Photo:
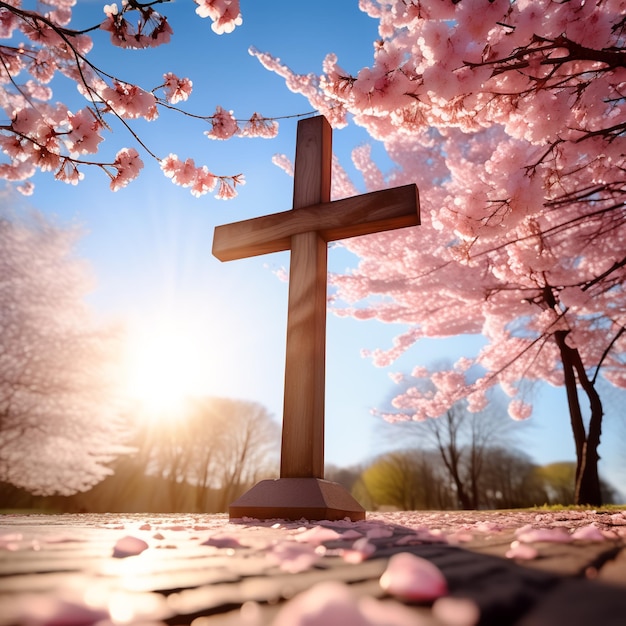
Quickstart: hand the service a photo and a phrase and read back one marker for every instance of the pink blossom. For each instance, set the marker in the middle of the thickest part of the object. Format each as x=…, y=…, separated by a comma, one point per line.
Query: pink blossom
x=128, y=164
x=226, y=190
x=68, y=173
x=258, y=126
x=225, y=14
x=186, y=174
x=204, y=182
x=224, y=125
x=130, y=101
x=26, y=189
x=519, y=410
x=150, y=30
x=285, y=164
x=43, y=66
x=8, y=23
x=84, y=135
x=176, y=89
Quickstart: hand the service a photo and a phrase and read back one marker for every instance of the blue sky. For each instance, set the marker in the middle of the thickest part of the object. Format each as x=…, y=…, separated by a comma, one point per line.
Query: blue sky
x=150, y=244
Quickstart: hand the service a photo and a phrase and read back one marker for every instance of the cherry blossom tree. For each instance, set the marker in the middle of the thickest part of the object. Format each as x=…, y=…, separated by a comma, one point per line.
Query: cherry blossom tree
x=60, y=422
x=511, y=118
x=44, y=135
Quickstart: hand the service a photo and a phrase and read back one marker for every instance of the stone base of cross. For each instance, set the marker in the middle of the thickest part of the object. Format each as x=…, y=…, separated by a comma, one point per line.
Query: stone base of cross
x=305, y=230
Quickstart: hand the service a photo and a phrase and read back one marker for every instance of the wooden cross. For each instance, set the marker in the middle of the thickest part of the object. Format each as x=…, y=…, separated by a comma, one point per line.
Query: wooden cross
x=305, y=231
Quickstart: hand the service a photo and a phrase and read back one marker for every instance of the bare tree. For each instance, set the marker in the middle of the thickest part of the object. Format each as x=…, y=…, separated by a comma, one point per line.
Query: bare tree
x=60, y=422
x=217, y=444
x=462, y=440
x=509, y=480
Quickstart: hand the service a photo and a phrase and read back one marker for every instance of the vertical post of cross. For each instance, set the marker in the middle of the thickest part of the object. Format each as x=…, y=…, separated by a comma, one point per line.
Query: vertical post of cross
x=302, y=452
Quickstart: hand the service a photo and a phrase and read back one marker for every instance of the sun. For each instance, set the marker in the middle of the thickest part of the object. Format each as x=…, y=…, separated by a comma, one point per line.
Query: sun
x=165, y=367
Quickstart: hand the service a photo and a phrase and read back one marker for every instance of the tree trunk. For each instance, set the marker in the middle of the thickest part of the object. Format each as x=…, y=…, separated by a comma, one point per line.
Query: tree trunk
x=587, y=488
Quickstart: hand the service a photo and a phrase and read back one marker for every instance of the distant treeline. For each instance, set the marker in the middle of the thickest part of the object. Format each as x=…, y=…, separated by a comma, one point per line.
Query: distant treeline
x=128, y=490
x=405, y=480
x=418, y=479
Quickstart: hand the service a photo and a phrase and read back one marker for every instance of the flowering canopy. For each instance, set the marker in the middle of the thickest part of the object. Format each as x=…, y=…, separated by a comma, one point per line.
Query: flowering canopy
x=43, y=135
x=60, y=420
x=511, y=118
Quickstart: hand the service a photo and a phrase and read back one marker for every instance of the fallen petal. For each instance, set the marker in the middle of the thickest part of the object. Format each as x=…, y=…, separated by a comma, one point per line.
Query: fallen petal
x=456, y=611
x=317, y=535
x=551, y=535
x=326, y=604
x=355, y=534
x=360, y=551
x=379, y=532
x=410, y=577
x=521, y=551
x=588, y=533
x=129, y=546
x=293, y=557
x=222, y=542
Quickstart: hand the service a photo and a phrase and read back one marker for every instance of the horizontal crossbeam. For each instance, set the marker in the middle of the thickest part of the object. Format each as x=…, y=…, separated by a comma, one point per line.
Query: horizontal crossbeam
x=350, y=217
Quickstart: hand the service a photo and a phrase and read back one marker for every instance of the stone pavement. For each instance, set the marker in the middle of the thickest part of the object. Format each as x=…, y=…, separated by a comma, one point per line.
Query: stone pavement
x=563, y=568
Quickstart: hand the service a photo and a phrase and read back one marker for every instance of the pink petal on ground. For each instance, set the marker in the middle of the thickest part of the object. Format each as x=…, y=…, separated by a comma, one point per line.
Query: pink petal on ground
x=325, y=604
x=61, y=539
x=332, y=603
x=379, y=532
x=355, y=534
x=380, y=613
x=361, y=550
x=222, y=542
x=412, y=578
x=618, y=519
x=129, y=546
x=588, y=533
x=10, y=541
x=521, y=551
x=293, y=557
x=487, y=527
x=551, y=535
x=317, y=535
x=49, y=610
x=456, y=611
x=460, y=537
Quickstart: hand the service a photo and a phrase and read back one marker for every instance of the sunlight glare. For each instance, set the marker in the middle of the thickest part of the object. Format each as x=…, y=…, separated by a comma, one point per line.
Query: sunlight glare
x=166, y=366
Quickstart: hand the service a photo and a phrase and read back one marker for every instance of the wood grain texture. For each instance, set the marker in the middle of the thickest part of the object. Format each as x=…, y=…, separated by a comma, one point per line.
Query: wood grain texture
x=369, y=213
x=306, y=230
x=302, y=450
